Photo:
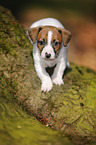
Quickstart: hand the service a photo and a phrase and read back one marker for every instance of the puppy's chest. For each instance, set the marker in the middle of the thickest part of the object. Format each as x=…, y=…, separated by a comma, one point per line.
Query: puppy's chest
x=51, y=63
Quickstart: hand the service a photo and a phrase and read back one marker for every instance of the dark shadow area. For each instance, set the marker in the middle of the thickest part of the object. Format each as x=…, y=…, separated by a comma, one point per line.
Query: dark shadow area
x=67, y=70
x=50, y=70
x=84, y=7
x=90, y=71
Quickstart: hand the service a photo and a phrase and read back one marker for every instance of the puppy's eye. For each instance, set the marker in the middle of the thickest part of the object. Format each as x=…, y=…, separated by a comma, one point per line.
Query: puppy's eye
x=55, y=43
x=41, y=42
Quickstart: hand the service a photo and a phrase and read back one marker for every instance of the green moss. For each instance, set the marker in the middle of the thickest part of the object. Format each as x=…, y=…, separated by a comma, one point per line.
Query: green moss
x=12, y=34
x=16, y=127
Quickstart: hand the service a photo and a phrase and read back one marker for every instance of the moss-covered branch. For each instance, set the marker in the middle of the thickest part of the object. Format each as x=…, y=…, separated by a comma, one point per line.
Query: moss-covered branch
x=69, y=108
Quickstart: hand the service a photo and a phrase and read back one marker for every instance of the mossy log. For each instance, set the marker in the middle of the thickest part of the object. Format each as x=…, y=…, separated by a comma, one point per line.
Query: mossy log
x=70, y=108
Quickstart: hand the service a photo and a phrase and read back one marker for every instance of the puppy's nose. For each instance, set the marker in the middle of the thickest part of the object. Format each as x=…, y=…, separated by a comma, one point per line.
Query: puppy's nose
x=48, y=55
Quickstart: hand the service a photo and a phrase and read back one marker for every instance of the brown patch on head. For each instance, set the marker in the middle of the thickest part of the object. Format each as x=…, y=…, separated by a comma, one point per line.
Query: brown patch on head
x=43, y=35
x=56, y=40
x=33, y=32
x=66, y=36
x=42, y=38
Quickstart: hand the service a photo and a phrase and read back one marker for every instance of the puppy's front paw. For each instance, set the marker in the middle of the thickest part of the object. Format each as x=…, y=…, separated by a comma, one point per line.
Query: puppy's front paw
x=58, y=81
x=46, y=85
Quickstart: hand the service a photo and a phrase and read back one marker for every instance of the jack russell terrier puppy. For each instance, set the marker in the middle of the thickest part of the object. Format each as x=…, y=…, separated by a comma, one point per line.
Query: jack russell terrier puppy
x=50, y=42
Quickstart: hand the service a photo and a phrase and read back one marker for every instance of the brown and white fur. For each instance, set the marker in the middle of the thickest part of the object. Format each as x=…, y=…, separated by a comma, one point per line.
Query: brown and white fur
x=50, y=42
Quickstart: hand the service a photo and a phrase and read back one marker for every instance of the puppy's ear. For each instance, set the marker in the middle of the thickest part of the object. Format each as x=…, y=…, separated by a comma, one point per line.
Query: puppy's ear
x=33, y=32
x=66, y=36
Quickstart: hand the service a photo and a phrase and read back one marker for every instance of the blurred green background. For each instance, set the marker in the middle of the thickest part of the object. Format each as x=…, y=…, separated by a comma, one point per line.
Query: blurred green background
x=78, y=16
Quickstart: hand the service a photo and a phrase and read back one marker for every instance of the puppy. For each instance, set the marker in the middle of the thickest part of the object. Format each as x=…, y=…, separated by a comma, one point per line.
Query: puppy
x=50, y=42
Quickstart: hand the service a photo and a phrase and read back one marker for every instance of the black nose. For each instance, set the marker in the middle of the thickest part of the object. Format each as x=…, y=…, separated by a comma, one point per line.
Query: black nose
x=48, y=55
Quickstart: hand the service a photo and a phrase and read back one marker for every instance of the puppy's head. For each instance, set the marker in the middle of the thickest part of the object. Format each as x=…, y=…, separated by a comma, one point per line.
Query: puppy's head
x=49, y=40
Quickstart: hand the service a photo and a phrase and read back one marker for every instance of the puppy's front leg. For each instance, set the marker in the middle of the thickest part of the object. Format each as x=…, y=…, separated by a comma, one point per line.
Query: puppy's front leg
x=44, y=77
x=58, y=73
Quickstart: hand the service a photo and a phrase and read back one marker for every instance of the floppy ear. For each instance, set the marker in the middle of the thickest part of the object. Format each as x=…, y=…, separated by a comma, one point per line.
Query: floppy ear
x=66, y=36
x=33, y=32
